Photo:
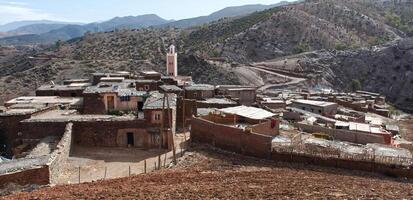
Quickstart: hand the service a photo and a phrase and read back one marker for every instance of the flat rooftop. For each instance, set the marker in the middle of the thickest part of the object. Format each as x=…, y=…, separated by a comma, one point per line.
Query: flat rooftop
x=224, y=101
x=150, y=73
x=73, y=116
x=196, y=87
x=72, y=86
x=45, y=100
x=314, y=103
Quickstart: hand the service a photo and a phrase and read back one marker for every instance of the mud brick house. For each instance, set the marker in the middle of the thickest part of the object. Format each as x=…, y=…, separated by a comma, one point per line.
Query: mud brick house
x=94, y=130
x=190, y=107
x=318, y=107
x=242, y=129
x=172, y=89
x=75, y=81
x=46, y=101
x=107, y=97
x=199, y=91
x=96, y=77
x=147, y=85
x=10, y=123
x=70, y=90
x=245, y=95
x=151, y=75
x=156, y=110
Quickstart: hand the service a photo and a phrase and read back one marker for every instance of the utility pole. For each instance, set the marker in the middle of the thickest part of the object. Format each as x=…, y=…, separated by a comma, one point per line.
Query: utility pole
x=170, y=136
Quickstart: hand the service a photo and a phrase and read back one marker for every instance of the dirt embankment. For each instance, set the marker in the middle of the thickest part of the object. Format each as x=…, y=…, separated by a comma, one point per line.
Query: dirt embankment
x=205, y=174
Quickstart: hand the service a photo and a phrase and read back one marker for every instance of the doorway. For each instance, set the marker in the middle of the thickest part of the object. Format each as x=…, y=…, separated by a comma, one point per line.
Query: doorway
x=140, y=106
x=131, y=140
x=111, y=103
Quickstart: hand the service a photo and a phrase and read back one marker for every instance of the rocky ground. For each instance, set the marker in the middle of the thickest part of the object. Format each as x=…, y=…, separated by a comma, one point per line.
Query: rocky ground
x=206, y=174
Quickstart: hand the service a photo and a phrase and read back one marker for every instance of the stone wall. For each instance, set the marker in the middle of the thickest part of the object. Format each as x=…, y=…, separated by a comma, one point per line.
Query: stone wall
x=59, y=157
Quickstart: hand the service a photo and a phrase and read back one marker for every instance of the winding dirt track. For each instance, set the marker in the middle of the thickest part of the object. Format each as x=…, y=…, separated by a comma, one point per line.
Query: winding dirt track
x=205, y=174
x=292, y=80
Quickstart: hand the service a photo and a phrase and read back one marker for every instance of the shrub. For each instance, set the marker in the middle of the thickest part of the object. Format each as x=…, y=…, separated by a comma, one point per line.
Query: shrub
x=355, y=85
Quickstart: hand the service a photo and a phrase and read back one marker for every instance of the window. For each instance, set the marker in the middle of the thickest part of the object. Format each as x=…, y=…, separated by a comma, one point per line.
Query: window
x=125, y=98
x=146, y=87
x=157, y=117
x=319, y=111
x=303, y=108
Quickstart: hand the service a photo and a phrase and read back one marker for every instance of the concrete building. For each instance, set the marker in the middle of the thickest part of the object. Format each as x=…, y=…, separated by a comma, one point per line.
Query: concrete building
x=172, y=62
x=318, y=107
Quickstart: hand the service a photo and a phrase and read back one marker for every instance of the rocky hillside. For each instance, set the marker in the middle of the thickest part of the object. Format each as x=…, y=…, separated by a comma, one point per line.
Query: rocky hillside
x=301, y=27
x=387, y=70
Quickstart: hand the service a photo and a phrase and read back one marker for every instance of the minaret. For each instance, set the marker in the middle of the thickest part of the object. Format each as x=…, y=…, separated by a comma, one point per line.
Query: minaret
x=172, y=62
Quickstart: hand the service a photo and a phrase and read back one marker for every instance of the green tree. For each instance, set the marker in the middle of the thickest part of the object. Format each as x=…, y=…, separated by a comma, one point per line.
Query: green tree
x=355, y=85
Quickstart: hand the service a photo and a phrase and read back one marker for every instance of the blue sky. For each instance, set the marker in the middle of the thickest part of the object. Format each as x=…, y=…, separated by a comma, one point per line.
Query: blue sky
x=99, y=10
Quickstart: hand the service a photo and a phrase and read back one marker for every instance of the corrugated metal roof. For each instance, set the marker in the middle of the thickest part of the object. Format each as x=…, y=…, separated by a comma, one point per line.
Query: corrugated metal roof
x=248, y=112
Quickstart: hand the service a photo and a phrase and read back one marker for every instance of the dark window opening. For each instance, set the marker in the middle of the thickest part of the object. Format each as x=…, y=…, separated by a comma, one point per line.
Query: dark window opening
x=131, y=141
x=73, y=94
x=140, y=106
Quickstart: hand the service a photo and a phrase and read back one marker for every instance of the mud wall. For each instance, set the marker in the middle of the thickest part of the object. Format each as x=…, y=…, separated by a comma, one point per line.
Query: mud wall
x=230, y=138
x=236, y=140
x=344, y=135
x=38, y=176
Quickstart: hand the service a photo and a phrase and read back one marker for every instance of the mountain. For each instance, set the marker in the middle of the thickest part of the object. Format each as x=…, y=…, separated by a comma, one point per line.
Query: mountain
x=15, y=25
x=35, y=29
x=226, y=12
x=39, y=34
x=68, y=32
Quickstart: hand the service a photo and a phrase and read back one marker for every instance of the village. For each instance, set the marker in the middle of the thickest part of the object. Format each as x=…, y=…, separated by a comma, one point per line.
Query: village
x=71, y=132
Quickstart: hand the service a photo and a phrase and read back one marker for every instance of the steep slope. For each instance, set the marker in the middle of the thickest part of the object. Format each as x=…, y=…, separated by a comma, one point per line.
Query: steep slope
x=387, y=70
x=292, y=29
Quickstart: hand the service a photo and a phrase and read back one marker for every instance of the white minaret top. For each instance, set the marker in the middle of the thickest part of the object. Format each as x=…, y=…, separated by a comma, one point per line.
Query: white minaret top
x=172, y=62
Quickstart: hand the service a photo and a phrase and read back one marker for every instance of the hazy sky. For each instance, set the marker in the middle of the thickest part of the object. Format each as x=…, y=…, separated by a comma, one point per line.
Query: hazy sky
x=99, y=10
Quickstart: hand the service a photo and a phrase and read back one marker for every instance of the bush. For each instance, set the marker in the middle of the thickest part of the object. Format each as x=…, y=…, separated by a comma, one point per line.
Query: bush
x=341, y=47
x=301, y=48
x=355, y=85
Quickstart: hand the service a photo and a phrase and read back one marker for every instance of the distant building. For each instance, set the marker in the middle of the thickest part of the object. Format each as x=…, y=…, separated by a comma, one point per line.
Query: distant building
x=245, y=95
x=319, y=107
x=199, y=91
x=172, y=62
